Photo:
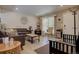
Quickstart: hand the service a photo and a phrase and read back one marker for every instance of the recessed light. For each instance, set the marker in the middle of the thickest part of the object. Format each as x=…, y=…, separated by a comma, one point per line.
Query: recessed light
x=16, y=8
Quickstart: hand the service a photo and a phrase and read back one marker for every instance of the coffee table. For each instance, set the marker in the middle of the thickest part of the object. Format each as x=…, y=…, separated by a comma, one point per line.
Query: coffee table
x=32, y=36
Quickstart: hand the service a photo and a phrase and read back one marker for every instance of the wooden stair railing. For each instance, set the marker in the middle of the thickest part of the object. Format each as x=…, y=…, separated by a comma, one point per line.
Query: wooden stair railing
x=60, y=47
x=70, y=38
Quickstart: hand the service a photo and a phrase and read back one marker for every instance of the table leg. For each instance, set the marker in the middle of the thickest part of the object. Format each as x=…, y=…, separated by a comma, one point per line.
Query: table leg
x=32, y=40
x=38, y=38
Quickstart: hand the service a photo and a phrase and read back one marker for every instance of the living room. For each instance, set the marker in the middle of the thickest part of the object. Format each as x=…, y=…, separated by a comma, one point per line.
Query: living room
x=32, y=28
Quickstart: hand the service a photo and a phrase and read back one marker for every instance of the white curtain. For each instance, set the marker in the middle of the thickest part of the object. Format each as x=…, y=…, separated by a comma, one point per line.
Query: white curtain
x=47, y=22
x=44, y=24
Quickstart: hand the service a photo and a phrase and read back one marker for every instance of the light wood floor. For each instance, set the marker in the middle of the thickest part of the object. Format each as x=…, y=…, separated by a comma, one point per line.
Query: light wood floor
x=30, y=48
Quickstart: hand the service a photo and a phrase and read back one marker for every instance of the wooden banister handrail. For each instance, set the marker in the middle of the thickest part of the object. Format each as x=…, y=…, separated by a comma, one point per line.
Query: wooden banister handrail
x=61, y=47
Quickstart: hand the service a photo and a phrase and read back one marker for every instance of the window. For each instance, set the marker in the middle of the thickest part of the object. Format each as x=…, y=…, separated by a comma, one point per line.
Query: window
x=47, y=22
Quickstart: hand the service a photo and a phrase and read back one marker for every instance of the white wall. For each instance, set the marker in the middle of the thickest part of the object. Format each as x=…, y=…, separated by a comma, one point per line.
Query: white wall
x=77, y=22
x=13, y=20
x=58, y=23
x=68, y=21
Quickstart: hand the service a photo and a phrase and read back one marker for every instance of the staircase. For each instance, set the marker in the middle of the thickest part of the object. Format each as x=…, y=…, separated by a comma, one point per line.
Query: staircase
x=66, y=46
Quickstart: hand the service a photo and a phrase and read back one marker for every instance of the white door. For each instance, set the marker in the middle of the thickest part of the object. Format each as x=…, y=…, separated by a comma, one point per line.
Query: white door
x=68, y=23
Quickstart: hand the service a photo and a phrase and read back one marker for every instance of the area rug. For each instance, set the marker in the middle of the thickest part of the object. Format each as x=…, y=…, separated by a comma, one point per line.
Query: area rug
x=43, y=50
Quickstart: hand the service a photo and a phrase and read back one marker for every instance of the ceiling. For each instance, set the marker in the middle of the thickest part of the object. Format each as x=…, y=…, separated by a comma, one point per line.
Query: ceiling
x=35, y=10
